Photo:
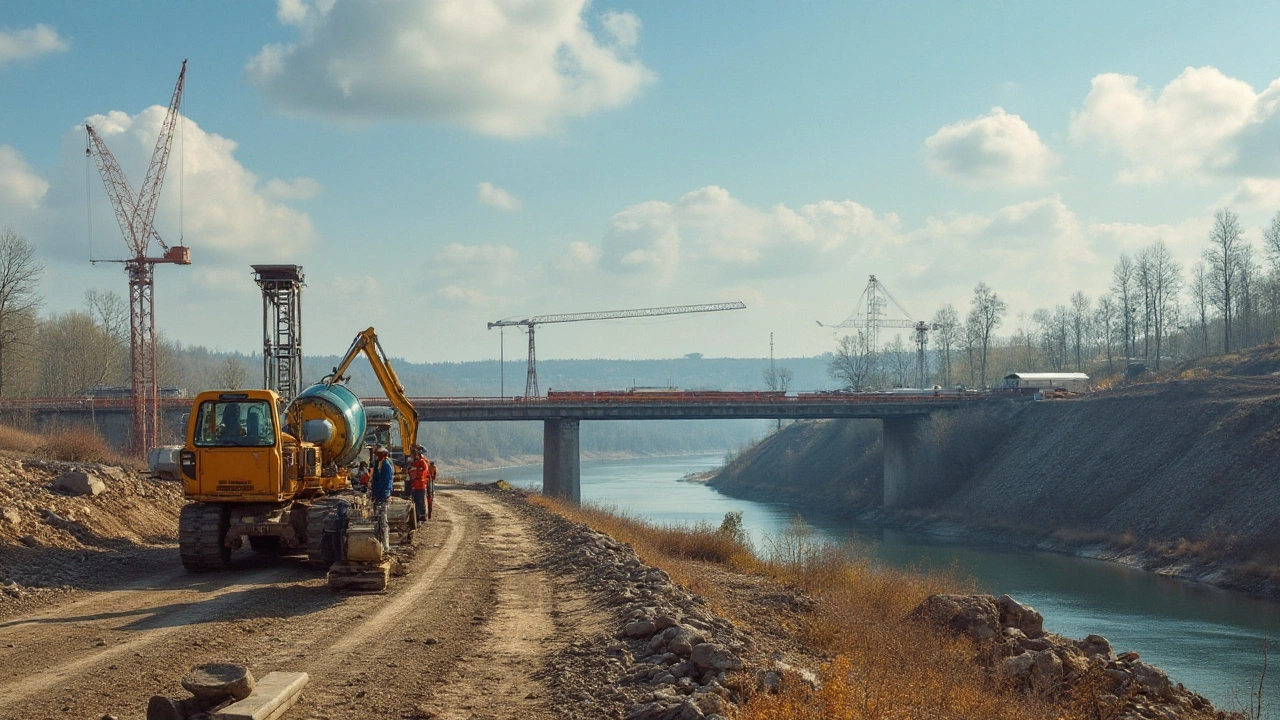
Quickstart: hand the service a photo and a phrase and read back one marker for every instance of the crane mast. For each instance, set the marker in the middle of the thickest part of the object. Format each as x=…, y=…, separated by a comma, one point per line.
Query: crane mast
x=135, y=213
x=529, y=323
x=872, y=313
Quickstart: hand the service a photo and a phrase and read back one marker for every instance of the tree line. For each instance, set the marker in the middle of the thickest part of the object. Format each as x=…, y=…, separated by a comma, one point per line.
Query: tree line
x=70, y=353
x=1154, y=313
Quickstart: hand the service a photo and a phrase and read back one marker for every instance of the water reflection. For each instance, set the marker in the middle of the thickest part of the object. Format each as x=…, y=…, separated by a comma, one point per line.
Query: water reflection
x=1208, y=639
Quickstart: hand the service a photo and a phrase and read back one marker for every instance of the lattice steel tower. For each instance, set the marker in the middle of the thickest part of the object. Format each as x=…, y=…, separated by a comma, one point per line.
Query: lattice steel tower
x=281, y=327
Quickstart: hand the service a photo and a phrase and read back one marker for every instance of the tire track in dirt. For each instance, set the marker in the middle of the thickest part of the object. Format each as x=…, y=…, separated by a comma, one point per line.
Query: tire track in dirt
x=170, y=611
x=516, y=635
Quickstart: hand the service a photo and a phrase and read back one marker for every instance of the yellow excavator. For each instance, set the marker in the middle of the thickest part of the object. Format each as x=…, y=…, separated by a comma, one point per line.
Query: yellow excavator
x=281, y=476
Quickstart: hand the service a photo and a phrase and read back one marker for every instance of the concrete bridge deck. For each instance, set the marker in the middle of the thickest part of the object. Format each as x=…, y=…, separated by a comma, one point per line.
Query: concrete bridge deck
x=562, y=413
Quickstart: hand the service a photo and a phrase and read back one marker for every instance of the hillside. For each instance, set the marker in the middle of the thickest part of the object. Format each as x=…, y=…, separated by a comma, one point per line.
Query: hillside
x=1177, y=476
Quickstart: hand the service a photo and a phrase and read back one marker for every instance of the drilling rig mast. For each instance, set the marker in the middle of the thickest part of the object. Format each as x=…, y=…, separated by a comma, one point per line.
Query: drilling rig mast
x=135, y=213
x=281, y=328
x=529, y=323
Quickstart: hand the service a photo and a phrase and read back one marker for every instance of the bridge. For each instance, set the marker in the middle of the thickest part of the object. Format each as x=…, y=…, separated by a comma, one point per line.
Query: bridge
x=562, y=413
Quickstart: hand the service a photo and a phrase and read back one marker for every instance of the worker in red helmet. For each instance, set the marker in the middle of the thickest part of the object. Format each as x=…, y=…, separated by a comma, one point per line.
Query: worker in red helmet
x=419, y=467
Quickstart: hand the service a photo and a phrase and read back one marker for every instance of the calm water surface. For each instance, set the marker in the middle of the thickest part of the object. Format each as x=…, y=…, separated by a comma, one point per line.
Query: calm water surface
x=1208, y=639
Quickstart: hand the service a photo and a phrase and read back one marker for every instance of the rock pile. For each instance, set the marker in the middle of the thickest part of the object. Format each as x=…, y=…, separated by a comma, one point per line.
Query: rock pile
x=670, y=656
x=1015, y=645
x=55, y=515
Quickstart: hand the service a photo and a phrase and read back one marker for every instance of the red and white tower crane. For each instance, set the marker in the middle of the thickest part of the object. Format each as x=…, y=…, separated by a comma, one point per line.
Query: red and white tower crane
x=136, y=215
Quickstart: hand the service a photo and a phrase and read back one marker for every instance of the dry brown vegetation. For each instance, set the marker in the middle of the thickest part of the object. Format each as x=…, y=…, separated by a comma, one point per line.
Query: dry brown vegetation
x=11, y=438
x=68, y=444
x=882, y=664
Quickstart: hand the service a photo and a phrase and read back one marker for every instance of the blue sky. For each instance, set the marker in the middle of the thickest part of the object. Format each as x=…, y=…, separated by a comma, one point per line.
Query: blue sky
x=437, y=165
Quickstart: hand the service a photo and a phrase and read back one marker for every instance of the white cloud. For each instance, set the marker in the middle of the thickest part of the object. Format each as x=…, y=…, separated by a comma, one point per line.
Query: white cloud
x=1255, y=192
x=579, y=257
x=459, y=295
x=709, y=228
x=29, y=43
x=303, y=188
x=493, y=196
x=992, y=150
x=226, y=213
x=495, y=67
x=1202, y=124
x=300, y=12
x=21, y=188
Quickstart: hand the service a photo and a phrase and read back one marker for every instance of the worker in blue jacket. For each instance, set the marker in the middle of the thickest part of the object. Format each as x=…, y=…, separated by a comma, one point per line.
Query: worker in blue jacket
x=380, y=491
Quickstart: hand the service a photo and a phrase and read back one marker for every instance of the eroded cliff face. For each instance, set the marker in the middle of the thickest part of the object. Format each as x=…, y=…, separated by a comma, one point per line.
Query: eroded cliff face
x=1182, y=476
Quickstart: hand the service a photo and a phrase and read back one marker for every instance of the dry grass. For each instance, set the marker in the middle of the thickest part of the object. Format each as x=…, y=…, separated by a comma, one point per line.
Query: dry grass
x=77, y=444
x=11, y=438
x=885, y=666
x=676, y=549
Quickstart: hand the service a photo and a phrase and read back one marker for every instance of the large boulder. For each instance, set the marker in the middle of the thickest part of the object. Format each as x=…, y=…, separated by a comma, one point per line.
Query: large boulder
x=714, y=656
x=974, y=615
x=1024, y=617
x=79, y=482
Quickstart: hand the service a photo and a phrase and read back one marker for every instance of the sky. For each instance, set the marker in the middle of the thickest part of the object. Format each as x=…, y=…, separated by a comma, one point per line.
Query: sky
x=435, y=165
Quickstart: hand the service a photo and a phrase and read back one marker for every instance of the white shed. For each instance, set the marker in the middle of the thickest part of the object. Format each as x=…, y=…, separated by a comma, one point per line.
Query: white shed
x=1072, y=382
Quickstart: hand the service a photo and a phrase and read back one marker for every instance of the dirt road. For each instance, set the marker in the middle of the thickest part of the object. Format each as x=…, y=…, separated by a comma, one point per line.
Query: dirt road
x=463, y=635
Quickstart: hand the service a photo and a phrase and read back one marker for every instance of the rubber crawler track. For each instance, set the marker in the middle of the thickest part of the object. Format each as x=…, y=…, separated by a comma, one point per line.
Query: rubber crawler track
x=202, y=527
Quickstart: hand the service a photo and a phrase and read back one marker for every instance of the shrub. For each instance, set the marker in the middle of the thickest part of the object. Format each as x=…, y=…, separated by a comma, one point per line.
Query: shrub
x=80, y=445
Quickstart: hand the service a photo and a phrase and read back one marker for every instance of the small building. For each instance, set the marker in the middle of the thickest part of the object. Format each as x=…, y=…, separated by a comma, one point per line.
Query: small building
x=1071, y=382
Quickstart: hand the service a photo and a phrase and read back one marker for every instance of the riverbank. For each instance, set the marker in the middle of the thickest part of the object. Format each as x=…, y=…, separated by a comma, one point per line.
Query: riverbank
x=844, y=635
x=1174, y=477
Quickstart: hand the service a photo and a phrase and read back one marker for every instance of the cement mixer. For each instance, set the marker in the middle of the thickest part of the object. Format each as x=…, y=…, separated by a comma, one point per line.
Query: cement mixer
x=280, y=477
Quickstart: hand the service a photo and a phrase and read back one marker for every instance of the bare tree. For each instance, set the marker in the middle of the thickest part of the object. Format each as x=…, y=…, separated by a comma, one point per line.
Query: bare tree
x=970, y=344
x=1043, y=320
x=69, y=346
x=1166, y=286
x=1201, y=292
x=1223, y=256
x=852, y=361
x=1271, y=287
x=1024, y=340
x=1247, y=297
x=986, y=312
x=1271, y=242
x=230, y=374
x=108, y=309
x=1080, y=321
x=1104, y=319
x=900, y=362
x=20, y=275
x=1123, y=285
x=947, y=336
x=778, y=377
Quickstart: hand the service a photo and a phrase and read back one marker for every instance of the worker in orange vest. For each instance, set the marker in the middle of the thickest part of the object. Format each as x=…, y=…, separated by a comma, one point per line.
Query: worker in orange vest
x=431, y=486
x=419, y=470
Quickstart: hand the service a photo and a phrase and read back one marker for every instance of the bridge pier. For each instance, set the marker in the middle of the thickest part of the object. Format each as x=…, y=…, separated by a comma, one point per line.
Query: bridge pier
x=903, y=486
x=561, y=467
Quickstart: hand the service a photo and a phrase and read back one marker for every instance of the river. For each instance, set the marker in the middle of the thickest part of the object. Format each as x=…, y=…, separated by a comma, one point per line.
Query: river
x=1206, y=638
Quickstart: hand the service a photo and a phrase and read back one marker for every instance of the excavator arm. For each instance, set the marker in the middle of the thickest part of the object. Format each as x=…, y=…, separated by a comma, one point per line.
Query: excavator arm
x=367, y=342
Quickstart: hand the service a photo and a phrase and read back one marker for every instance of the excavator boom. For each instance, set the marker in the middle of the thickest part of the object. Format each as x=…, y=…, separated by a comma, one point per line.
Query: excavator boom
x=367, y=342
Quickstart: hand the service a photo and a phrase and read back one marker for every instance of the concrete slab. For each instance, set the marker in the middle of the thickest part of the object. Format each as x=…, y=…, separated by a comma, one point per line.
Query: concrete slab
x=274, y=694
